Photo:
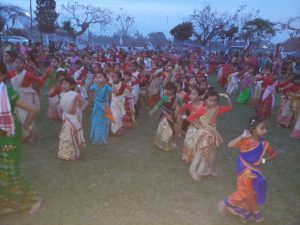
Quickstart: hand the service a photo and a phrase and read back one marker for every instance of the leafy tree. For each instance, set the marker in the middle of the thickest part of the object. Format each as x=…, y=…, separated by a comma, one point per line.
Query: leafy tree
x=71, y=31
x=46, y=15
x=230, y=33
x=182, y=31
x=157, y=38
x=258, y=29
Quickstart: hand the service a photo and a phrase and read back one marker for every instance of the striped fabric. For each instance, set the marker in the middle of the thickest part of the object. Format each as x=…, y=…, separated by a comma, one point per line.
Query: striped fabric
x=7, y=123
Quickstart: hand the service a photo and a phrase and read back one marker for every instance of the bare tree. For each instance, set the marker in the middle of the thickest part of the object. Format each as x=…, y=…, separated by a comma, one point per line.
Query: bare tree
x=292, y=25
x=81, y=17
x=241, y=16
x=208, y=24
x=12, y=14
x=125, y=23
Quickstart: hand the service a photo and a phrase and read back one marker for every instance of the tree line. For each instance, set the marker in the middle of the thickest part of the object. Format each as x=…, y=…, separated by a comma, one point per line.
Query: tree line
x=205, y=25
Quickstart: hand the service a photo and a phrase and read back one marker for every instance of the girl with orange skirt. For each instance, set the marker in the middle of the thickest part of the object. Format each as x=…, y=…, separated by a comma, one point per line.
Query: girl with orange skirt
x=251, y=185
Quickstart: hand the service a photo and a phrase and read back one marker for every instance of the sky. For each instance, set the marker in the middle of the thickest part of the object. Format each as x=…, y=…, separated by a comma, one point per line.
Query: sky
x=163, y=15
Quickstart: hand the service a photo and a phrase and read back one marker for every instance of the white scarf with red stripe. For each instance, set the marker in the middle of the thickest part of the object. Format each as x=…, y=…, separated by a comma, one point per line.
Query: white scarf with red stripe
x=7, y=123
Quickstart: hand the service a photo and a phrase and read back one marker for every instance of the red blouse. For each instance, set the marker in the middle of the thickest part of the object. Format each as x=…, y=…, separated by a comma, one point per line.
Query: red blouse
x=201, y=111
x=28, y=79
x=57, y=90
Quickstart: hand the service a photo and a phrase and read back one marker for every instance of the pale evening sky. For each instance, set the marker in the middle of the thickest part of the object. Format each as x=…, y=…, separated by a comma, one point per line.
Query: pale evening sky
x=163, y=15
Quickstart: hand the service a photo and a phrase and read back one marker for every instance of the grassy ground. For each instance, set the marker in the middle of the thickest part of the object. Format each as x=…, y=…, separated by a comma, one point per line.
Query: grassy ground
x=131, y=182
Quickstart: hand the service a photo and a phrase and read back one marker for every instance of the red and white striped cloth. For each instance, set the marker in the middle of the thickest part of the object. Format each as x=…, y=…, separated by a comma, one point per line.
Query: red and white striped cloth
x=7, y=123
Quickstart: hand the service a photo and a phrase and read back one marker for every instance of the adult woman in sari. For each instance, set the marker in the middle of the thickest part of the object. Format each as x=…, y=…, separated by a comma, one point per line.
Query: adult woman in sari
x=22, y=81
x=15, y=189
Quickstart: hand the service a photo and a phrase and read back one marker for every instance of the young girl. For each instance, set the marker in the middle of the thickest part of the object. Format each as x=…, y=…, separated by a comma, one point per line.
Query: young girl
x=246, y=89
x=251, y=185
x=288, y=102
x=91, y=75
x=182, y=95
x=79, y=75
x=100, y=120
x=129, y=118
x=16, y=193
x=166, y=134
x=54, y=110
x=117, y=105
x=23, y=81
x=296, y=132
x=71, y=139
x=233, y=83
x=50, y=75
x=208, y=138
x=190, y=140
x=258, y=80
x=267, y=100
x=191, y=84
x=154, y=86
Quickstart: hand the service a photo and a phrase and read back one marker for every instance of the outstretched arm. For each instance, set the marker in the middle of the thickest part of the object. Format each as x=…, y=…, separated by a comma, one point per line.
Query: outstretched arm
x=158, y=106
x=233, y=143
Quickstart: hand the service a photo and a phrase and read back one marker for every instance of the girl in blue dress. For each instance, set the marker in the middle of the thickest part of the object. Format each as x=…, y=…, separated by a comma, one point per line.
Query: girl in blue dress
x=100, y=117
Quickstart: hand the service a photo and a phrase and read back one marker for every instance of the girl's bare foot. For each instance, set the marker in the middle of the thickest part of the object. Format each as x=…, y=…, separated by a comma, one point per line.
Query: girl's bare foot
x=174, y=146
x=195, y=177
x=36, y=206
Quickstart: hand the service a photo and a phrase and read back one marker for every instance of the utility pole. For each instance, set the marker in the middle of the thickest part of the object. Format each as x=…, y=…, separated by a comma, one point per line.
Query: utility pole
x=1, y=47
x=31, y=19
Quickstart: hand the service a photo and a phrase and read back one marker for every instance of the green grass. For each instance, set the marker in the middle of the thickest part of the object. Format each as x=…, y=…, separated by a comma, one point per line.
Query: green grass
x=131, y=182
